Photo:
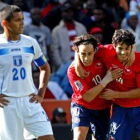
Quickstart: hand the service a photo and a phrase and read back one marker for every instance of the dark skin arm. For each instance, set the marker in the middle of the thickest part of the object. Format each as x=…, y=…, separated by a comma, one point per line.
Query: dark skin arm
x=43, y=81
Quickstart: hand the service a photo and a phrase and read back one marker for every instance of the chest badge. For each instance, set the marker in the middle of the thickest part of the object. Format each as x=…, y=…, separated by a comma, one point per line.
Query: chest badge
x=17, y=60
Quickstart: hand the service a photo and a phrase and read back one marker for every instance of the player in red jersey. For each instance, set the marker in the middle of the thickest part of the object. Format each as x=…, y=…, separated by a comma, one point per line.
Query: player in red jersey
x=124, y=91
x=87, y=109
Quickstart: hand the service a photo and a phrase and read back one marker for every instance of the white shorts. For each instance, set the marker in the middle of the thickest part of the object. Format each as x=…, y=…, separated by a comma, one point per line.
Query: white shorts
x=23, y=120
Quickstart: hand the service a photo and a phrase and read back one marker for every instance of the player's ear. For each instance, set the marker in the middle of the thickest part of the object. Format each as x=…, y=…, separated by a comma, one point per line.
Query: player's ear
x=4, y=23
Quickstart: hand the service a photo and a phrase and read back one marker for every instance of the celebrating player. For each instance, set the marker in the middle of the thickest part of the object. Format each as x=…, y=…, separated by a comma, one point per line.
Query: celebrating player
x=124, y=91
x=87, y=109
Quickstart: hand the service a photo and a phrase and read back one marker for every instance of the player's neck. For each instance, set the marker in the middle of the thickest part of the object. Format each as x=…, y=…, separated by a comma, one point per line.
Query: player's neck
x=11, y=37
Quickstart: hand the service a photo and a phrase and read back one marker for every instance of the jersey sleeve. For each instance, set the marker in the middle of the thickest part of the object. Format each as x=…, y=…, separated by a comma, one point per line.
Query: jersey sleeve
x=39, y=58
x=79, y=85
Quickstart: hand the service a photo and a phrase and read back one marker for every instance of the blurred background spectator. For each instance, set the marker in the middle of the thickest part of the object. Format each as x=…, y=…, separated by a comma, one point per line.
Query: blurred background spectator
x=62, y=36
x=131, y=22
x=59, y=116
x=39, y=31
x=98, y=34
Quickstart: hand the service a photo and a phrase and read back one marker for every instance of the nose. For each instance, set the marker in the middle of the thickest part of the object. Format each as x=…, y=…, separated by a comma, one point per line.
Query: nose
x=123, y=52
x=22, y=22
x=86, y=58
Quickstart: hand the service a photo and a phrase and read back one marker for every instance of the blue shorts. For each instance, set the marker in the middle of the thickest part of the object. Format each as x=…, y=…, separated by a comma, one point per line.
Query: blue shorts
x=96, y=120
x=123, y=122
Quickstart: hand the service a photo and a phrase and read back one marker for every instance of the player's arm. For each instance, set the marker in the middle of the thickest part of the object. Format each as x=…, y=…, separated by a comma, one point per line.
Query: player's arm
x=89, y=94
x=43, y=81
x=93, y=92
x=111, y=94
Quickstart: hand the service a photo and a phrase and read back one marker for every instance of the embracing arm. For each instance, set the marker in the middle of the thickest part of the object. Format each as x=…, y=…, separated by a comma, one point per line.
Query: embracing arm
x=135, y=93
x=111, y=94
x=93, y=92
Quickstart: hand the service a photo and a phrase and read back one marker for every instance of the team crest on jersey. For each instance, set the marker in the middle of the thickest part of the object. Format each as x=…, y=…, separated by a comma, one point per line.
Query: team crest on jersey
x=98, y=65
x=17, y=60
x=79, y=85
x=127, y=71
x=114, y=66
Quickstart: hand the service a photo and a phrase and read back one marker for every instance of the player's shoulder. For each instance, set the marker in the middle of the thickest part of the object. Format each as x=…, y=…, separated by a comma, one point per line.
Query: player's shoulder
x=71, y=67
x=27, y=38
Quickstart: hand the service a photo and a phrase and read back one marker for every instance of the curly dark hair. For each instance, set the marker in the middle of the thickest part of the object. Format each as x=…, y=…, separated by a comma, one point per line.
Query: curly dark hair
x=85, y=39
x=123, y=36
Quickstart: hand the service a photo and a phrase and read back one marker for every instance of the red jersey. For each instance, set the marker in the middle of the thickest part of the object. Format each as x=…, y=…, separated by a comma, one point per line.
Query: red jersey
x=80, y=86
x=130, y=78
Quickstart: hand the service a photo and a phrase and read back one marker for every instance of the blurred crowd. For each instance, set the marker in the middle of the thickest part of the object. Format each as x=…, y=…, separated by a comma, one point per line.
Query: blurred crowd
x=55, y=23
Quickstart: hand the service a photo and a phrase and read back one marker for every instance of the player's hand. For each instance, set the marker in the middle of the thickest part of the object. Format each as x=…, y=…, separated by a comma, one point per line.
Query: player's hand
x=117, y=73
x=35, y=98
x=108, y=94
x=3, y=101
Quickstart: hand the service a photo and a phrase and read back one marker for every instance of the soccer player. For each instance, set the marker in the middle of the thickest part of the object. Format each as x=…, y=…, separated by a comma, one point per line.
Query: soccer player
x=87, y=109
x=20, y=108
x=124, y=91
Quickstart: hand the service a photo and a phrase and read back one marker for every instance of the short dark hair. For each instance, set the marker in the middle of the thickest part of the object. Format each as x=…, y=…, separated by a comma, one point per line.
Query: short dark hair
x=7, y=12
x=123, y=36
x=85, y=39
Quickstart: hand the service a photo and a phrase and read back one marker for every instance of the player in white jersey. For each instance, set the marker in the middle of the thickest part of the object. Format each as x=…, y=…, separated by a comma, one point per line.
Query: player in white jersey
x=21, y=114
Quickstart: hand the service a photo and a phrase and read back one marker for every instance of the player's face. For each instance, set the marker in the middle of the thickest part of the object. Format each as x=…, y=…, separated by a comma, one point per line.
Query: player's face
x=123, y=51
x=86, y=54
x=16, y=25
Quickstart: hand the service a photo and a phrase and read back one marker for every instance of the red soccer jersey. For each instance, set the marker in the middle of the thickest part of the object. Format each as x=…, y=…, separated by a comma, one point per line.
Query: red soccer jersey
x=130, y=78
x=80, y=86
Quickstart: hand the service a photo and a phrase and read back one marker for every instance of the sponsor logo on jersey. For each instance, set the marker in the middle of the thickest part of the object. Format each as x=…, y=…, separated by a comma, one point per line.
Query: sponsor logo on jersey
x=98, y=65
x=17, y=60
x=127, y=71
x=79, y=85
x=15, y=49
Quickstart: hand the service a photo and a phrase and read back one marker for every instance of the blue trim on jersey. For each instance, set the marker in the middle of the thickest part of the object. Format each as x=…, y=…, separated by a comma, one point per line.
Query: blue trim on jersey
x=28, y=49
x=4, y=51
x=2, y=84
x=40, y=61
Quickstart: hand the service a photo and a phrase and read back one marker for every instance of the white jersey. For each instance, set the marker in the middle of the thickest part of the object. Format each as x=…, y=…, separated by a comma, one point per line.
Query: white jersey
x=15, y=65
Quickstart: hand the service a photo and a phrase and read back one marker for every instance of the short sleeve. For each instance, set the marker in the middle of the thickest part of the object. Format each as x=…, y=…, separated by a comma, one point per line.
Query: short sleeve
x=79, y=85
x=39, y=58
